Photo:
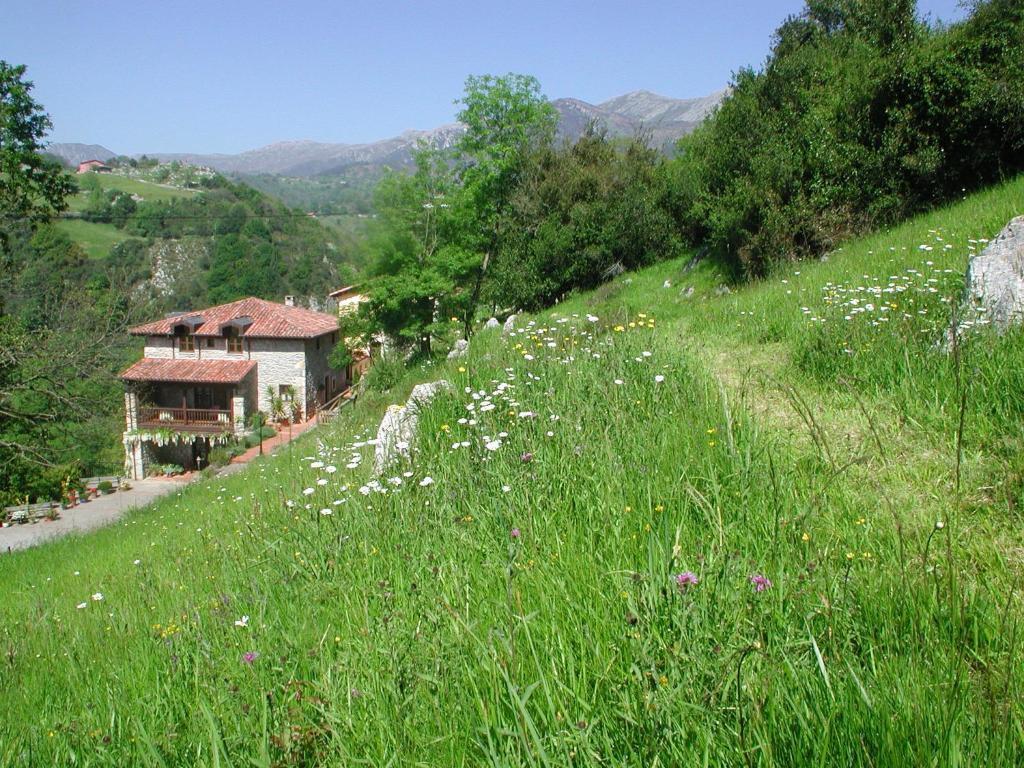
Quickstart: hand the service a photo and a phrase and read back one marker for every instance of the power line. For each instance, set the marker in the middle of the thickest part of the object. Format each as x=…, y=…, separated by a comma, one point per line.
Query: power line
x=74, y=216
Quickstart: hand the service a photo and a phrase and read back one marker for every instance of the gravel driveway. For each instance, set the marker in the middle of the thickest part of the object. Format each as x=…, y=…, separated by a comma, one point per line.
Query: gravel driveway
x=88, y=515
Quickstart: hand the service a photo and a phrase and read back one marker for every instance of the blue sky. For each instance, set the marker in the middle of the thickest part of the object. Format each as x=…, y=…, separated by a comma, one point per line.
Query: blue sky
x=218, y=76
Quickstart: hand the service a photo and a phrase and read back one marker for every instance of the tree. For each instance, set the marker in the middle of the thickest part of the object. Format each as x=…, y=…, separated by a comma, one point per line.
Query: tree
x=31, y=187
x=422, y=271
x=506, y=118
x=862, y=115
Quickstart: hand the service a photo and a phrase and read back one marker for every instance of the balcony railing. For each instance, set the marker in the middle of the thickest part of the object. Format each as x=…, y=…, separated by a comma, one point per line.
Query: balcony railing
x=185, y=419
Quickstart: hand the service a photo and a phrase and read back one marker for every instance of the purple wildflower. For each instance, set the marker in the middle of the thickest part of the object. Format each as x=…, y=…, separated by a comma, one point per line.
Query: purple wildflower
x=249, y=657
x=686, y=579
x=760, y=582
x=526, y=457
x=515, y=533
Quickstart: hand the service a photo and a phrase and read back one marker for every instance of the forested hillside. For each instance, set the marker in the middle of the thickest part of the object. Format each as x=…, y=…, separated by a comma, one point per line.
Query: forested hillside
x=129, y=248
x=862, y=115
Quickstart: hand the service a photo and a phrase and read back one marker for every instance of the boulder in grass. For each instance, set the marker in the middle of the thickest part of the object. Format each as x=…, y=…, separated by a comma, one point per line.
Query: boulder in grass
x=459, y=349
x=510, y=324
x=424, y=393
x=397, y=430
x=492, y=323
x=394, y=436
x=994, y=293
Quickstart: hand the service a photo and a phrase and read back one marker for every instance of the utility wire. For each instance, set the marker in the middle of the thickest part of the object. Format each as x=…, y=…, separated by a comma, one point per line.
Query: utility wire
x=72, y=216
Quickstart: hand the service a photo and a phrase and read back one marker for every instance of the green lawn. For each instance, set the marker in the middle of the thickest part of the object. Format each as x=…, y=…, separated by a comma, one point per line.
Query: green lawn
x=653, y=527
x=96, y=238
x=146, y=189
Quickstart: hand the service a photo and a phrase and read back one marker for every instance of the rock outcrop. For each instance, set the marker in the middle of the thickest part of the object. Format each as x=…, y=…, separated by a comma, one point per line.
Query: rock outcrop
x=492, y=323
x=510, y=324
x=459, y=349
x=397, y=430
x=994, y=292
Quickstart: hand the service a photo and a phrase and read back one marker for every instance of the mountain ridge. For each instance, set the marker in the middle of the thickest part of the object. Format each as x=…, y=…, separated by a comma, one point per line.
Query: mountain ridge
x=662, y=118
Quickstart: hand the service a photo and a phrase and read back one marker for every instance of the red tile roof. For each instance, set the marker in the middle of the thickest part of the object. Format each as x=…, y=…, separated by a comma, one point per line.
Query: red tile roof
x=189, y=371
x=270, y=320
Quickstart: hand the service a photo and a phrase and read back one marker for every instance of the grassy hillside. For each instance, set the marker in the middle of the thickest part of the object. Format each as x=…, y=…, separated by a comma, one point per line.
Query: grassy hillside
x=147, y=190
x=98, y=238
x=772, y=526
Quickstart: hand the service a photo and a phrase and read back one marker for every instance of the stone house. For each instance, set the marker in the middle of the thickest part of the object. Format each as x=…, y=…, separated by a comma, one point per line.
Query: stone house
x=204, y=373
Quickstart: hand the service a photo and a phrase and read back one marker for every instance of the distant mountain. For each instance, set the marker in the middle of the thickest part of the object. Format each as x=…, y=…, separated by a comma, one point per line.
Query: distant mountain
x=666, y=119
x=313, y=158
x=73, y=154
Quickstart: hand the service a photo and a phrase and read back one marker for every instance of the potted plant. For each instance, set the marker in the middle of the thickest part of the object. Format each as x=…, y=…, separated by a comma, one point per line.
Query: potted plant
x=276, y=405
x=105, y=487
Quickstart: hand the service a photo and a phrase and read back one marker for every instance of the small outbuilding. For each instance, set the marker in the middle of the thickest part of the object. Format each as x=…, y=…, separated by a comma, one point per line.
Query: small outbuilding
x=93, y=165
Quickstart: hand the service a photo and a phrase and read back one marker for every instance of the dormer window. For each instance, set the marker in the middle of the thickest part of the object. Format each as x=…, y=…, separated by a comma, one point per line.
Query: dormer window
x=234, y=341
x=186, y=341
x=184, y=330
x=233, y=330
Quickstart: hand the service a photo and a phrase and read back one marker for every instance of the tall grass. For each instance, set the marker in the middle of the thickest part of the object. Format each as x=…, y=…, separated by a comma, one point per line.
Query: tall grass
x=514, y=600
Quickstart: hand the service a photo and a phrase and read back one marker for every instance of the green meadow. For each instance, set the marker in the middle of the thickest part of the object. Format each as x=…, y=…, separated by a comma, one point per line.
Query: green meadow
x=664, y=523
x=97, y=238
x=148, y=190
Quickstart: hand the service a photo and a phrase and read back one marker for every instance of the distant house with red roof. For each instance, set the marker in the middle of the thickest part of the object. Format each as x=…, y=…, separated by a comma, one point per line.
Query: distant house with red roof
x=93, y=165
x=204, y=373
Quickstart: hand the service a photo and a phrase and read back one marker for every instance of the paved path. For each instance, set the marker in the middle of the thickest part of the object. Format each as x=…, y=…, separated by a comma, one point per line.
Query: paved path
x=88, y=515
x=108, y=509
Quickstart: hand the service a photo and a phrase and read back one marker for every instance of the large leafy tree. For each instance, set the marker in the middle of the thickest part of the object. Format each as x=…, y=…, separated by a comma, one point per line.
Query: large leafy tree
x=580, y=214
x=862, y=115
x=506, y=118
x=55, y=353
x=421, y=268
x=31, y=187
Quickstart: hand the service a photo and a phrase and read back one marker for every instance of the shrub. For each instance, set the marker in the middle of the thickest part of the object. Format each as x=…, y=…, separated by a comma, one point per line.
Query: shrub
x=385, y=373
x=220, y=456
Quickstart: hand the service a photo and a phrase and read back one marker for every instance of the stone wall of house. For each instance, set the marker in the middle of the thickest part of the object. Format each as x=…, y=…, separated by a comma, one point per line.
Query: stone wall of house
x=318, y=369
x=279, y=362
x=159, y=346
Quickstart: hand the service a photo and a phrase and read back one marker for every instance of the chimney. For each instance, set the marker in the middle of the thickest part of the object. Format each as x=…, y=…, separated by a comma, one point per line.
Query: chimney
x=289, y=301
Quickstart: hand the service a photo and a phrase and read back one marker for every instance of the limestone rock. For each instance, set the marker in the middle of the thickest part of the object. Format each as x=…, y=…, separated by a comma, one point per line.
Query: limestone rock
x=510, y=324
x=394, y=436
x=397, y=429
x=994, y=293
x=459, y=349
x=492, y=323
x=424, y=393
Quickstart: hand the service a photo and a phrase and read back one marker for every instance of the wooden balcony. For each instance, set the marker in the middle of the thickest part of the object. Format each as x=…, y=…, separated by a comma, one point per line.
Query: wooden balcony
x=203, y=420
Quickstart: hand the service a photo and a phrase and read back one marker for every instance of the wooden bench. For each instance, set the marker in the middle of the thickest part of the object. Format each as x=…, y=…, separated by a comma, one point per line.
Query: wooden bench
x=27, y=513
